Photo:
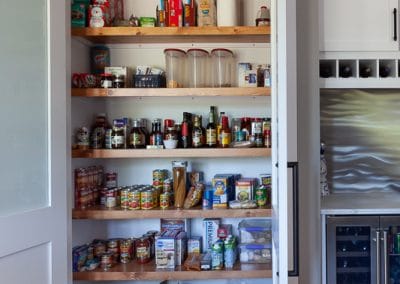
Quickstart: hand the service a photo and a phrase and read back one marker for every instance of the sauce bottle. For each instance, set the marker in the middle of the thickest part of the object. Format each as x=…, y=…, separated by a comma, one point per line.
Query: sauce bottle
x=156, y=136
x=197, y=133
x=226, y=136
x=137, y=139
x=186, y=130
x=211, y=131
x=219, y=126
x=97, y=137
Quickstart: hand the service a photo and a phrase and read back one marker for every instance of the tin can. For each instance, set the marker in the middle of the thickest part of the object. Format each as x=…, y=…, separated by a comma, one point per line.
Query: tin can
x=111, y=199
x=99, y=249
x=126, y=250
x=167, y=186
x=159, y=175
x=261, y=195
x=134, y=199
x=103, y=193
x=111, y=179
x=164, y=200
x=125, y=198
x=266, y=179
x=106, y=261
x=147, y=199
x=108, y=138
x=208, y=196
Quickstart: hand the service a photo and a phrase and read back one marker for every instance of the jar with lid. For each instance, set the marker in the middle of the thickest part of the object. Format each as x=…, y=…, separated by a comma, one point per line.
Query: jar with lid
x=198, y=68
x=107, y=80
x=175, y=67
x=263, y=17
x=117, y=135
x=171, y=133
x=223, y=67
x=143, y=253
x=137, y=139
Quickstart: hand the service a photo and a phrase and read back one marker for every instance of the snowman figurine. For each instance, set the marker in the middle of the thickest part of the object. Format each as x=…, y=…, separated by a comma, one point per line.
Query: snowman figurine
x=97, y=17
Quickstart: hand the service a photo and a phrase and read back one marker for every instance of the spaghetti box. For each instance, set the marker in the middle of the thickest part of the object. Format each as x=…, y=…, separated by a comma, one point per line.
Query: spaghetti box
x=244, y=189
x=194, y=245
x=183, y=225
x=175, y=13
x=210, y=232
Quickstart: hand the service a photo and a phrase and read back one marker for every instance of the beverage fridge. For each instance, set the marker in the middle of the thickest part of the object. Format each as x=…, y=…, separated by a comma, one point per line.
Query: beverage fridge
x=363, y=249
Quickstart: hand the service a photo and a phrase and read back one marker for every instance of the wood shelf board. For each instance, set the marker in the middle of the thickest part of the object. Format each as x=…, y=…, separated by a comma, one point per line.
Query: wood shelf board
x=102, y=213
x=174, y=153
x=171, y=92
x=174, y=34
x=135, y=271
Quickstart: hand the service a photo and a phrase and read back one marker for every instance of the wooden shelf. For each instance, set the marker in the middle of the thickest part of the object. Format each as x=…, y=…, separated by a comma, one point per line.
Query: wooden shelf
x=102, y=213
x=135, y=271
x=170, y=92
x=174, y=153
x=173, y=34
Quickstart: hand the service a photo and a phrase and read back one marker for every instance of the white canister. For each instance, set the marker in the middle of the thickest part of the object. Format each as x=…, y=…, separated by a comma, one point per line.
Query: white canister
x=227, y=13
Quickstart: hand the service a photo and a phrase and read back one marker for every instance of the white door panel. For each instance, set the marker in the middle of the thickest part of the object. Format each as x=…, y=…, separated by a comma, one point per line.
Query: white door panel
x=33, y=149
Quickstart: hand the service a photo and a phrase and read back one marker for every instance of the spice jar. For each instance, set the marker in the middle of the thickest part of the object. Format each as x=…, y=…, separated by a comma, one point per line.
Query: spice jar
x=179, y=184
x=143, y=253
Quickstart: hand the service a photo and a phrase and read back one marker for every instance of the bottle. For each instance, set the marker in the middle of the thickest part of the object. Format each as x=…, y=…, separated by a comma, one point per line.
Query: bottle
x=219, y=126
x=143, y=127
x=97, y=136
x=237, y=135
x=186, y=130
x=211, y=131
x=267, y=138
x=226, y=136
x=137, y=139
x=197, y=133
x=117, y=136
x=156, y=136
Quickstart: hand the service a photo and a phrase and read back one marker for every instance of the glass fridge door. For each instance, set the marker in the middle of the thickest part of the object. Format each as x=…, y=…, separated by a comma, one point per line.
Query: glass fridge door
x=391, y=252
x=352, y=250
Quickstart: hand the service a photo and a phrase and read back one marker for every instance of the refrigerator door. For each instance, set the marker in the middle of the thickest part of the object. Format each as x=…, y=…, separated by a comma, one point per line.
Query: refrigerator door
x=390, y=253
x=352, y=250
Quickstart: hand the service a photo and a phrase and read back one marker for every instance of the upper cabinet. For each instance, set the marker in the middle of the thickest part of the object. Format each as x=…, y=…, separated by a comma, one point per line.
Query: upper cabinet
x=359, y=25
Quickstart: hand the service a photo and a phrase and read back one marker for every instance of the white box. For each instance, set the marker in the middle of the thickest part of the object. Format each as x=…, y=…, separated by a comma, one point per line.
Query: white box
x=210, y=232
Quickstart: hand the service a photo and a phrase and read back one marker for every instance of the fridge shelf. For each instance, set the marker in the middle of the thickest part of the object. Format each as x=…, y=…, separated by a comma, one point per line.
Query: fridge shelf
x=353, y=270
x=352, y=254
x=353, y=238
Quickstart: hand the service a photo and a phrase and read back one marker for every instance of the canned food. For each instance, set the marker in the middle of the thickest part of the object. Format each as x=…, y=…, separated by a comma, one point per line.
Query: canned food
x=99, y=249
x=164, y=200
x=167, y=186
x=159, y=174
x=111, y=179
x=125, y=198
x=106, y=261
x=111, y=199
x=125, y=250
x=147, y=199
x=266, y=180
x=134, y=199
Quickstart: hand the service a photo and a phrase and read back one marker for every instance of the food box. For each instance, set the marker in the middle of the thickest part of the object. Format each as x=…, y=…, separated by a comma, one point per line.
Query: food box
x=210, y=232
x=244, y=189
x=250, y=78
x=255, y=231
x=166, y=250
x=195, y=177
x=255, y=253
x=181, y=248
x=189, y=16
x=78, y=15
x=206, y=13
x=175, y=13
x=220, y=194
x=121, y=71
x=175, y=224
x=194, y=245
x=243, y=68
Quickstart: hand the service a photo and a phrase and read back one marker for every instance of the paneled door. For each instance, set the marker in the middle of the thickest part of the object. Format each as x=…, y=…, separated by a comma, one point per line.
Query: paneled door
x=33, y=146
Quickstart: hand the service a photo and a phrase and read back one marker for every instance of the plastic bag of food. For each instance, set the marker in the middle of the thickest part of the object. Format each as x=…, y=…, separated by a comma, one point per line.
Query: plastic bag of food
x=194, y=196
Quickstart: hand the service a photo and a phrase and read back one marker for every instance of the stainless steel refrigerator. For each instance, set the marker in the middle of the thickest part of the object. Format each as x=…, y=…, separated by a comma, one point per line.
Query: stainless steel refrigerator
x=363, y=249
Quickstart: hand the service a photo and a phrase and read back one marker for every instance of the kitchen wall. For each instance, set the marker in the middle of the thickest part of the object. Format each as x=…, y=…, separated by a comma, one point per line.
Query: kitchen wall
x=362, y=132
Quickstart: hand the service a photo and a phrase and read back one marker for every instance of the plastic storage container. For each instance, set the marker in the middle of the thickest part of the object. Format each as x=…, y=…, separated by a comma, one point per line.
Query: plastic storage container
x=175, y=67
x=255, y=253
x=223, y=66
x=255, y=231
x=198, y=68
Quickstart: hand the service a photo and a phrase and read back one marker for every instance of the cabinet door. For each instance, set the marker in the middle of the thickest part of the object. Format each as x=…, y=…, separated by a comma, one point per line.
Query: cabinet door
x=359, y=25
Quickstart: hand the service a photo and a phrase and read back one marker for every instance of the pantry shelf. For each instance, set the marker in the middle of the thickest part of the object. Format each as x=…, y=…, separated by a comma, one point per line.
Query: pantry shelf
x=174, y=153
x=102, y=213
x=171, y=92
x=134, y=271
x=174, y=34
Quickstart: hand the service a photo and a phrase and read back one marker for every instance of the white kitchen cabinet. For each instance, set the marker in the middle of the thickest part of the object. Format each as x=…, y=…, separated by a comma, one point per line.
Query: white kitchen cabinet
x=358, y=25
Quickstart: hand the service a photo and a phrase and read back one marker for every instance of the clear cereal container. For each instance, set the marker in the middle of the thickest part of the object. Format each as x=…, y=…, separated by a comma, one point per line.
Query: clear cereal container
x=223, y=67
x=255, y=253
x=175, y=60
x=255, y=231
x=198, y=68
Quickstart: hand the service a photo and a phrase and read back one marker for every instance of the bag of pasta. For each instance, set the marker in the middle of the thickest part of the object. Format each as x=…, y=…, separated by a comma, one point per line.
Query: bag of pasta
x=194, y=196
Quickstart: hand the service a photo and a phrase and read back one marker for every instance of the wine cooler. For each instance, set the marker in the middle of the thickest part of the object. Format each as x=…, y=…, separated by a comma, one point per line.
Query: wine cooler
x=363, y=250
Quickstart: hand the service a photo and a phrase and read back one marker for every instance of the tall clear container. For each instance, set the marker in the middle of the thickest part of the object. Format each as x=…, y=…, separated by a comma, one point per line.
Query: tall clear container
x=175, y=67
x=223, y=67
x=198, y=68
x=179, y=182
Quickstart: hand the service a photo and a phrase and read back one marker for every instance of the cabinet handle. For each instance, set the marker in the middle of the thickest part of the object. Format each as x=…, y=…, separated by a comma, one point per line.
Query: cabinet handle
x=378, y=258
x=385, y=257
x=295, y=175
x=395, y=24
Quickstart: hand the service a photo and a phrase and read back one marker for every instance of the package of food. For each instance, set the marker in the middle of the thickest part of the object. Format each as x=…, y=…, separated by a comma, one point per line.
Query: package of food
x=175, y=224
x=206, y=13
x=243, y=69
x=205, y=261
x=99, y=58
x=210, y=232
x=194, y=196
x=189, y=16
x=175, y=13
x=195, y=177
x=78, y=15
x=149, y=22
x=165, y=250
x=99, y=16
x=192, y=263
x=244, y=189
x=194, y=245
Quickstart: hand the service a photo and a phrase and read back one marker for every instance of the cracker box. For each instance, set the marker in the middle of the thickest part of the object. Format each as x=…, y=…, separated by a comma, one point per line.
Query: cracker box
x=210, y=232
x=175, y=13
x=166, y=250
x=189, y=13
x=176, y=225
x=194, y=245
x=244, y=189
x=78, y=15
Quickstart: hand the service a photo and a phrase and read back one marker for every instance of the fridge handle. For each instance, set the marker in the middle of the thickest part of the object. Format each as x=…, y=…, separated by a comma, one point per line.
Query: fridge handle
x=295, y=175
x=378, y=259
x=385, y=257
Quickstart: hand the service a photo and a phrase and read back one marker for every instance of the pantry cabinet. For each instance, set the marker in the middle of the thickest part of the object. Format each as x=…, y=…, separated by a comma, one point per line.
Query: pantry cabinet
x=359, y=25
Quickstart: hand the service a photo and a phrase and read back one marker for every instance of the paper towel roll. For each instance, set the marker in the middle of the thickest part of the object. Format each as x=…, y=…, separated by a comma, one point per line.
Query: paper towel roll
x=227, y=13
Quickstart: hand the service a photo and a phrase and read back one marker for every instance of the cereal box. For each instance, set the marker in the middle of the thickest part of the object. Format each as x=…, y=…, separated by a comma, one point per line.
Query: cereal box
x=210, y=232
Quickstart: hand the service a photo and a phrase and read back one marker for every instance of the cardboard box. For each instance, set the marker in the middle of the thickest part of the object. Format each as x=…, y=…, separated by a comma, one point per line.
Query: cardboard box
x=194, y=245
x=175, y=13
x=189, y=13
x=244, y=189
x=243, y=68
x=181, y=248
x=78, y=15
x=210, y=232
x=175, y=225
x=220, y=195
x=166, y=250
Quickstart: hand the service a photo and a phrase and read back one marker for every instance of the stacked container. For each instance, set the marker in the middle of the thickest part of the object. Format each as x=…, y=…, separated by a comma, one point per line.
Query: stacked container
x=223, y=67
x=198, y=68
x=175, y=60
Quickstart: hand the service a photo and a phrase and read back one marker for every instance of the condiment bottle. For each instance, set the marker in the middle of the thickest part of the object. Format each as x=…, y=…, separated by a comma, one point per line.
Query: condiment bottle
x=117, y=136
x=143, y=127
x=267, y=138
x=186, y=133
x=225, y=133
x=246, y=127
x=137, y=139
x=156, y=136
x=97, y=136
x=211, y=131
x=219, y=126
x=197, y=133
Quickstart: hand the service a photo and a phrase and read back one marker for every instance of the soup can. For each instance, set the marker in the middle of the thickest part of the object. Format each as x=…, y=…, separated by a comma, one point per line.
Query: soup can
x=147, y=199
x=134, y=199
x=164, y=200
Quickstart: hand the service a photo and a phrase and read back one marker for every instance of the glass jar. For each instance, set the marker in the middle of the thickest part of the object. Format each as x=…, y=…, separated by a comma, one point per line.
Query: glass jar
x=223, y=67
x=175, y=67
x=198, y=68
x=118, y=136
x=171, y=134
x=179, y=182
x=137, y=139
x=143, y=250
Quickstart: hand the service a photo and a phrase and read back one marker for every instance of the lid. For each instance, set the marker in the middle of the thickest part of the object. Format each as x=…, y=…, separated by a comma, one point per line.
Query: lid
x=255, y=246
x=221, y=51
x=202, y=52
x=168, y=50
x=255, y=225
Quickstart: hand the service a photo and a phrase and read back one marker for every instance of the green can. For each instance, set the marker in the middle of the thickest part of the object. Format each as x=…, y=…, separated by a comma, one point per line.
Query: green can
x=261, y=196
